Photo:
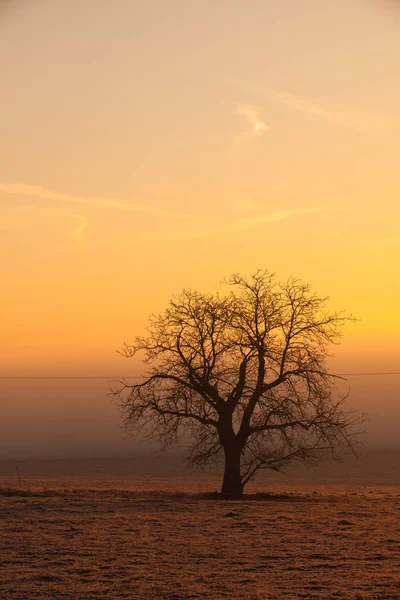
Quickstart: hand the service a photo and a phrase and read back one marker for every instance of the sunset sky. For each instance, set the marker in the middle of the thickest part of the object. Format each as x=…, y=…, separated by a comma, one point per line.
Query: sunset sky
x=153, y=145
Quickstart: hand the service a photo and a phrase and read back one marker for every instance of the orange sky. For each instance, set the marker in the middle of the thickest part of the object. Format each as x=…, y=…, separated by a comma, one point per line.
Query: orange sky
x=153, y=145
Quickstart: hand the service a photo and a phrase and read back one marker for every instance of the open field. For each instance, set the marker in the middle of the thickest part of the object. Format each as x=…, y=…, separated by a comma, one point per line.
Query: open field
x=310, y=540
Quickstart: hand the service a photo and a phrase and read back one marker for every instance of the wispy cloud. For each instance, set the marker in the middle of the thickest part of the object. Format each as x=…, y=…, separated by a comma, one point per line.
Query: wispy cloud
x=244, y=224
x=97, y=202
x=24, y=217
x=80, y=228
x=356, y=119
x=252, y=116
x=249, y=222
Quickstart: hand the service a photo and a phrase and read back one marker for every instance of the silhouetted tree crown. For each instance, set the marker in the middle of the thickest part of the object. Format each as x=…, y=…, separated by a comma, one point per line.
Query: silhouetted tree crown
x=245, y=375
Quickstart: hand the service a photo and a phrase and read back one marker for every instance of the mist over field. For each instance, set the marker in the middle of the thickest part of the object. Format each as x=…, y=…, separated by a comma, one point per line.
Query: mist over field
x=68, y=418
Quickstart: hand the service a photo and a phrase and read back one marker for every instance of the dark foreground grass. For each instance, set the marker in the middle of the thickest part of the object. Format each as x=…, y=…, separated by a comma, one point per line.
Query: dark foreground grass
x=118, y=544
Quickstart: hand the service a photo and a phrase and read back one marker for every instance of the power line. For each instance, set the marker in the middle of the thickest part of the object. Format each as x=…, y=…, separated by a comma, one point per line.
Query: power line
x=367, y=373
x=58, y=377
x=120, y=377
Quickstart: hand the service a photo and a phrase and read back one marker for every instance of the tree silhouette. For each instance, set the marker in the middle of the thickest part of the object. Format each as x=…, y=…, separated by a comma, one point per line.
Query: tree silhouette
x=244, y=377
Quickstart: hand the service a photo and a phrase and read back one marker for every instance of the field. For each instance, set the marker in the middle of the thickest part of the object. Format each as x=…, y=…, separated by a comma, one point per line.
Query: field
x=66, y=533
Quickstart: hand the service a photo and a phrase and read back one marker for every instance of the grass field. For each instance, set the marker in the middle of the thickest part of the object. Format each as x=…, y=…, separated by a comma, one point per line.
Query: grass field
x=298, y=541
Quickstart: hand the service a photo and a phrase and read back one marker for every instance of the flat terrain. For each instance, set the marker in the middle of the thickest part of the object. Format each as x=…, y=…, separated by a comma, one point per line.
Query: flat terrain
x=319, y=542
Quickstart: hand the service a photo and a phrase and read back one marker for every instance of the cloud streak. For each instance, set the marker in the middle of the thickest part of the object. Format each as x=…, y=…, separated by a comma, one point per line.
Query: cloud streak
x=34, y=191
x=29, y=216
x=359, y=120
x=283, y=215
x=244, y=224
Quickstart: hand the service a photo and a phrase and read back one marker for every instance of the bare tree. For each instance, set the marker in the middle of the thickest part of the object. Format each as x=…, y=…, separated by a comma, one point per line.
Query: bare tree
x=244, y=377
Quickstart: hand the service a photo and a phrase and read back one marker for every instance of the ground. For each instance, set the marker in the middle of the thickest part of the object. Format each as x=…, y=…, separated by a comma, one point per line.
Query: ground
x=326, y=542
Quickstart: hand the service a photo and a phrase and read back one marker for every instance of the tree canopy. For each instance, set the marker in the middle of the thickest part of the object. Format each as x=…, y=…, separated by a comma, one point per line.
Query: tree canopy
x=244, y=377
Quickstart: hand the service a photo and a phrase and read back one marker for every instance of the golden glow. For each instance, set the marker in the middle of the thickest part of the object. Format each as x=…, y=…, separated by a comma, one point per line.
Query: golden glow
x=151, y=147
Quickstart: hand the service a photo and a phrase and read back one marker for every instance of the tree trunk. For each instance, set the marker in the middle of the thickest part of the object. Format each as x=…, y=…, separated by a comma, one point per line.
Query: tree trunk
x=232, y=486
